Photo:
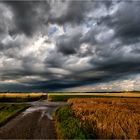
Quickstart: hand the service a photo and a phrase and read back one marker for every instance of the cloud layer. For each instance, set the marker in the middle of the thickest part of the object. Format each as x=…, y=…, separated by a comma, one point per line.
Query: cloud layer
x=54, y=45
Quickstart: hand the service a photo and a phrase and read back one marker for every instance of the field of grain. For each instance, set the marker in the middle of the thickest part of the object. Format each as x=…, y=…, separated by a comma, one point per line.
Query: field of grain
x=20, y=97
x=117, y=118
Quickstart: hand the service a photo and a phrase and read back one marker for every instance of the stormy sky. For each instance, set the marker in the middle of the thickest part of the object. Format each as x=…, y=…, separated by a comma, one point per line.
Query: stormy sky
x=69, y=45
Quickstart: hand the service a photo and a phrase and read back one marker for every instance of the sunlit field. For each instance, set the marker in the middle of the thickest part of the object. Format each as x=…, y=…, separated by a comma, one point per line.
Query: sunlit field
x=117, y=118
x=19, y=97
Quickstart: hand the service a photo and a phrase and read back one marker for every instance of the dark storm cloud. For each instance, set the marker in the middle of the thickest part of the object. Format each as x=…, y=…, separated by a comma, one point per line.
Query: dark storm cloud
x=123, y=58
x=27, y=15
x=55, y=59
x=125, y=21
x=89, y=37
x=68, y=44
x=90, y=42
x=9, y=45
x=74, y=12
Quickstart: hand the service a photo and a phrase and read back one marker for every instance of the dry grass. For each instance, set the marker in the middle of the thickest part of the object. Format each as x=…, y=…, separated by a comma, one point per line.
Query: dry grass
x=108, y=117
x=22, y=95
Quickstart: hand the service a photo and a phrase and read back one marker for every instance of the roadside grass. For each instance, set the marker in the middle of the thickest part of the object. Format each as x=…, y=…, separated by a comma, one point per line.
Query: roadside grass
x=20, y=97
x=66, y=96
x=67, y=125
x=8, y=111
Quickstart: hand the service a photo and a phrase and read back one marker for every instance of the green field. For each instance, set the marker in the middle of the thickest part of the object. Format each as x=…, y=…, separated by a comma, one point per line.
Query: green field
x=8, y=111
x=66, y=96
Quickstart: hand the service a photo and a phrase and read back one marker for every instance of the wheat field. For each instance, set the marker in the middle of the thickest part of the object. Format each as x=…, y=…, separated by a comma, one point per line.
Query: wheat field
x=108, y=117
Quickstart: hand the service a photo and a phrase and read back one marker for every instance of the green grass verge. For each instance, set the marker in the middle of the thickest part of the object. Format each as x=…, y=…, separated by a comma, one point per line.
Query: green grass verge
x=65, y=97
x=61, y=97
x=68, y=126
x=8, y=111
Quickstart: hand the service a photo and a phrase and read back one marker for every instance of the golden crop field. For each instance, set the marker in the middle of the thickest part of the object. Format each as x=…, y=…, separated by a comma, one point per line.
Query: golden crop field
x=21, y=94
x=20, y=97
x=109, y=117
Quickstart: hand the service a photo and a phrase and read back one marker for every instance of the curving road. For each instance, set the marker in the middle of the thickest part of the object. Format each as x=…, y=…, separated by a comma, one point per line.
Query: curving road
x=36, y=122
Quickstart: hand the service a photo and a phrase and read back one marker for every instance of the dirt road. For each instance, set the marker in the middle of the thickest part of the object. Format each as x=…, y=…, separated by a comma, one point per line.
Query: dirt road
x=34, y=123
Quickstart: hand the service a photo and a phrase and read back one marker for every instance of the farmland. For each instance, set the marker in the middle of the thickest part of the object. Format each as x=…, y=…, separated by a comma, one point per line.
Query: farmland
x=83, y=116
x=66, y=96
x=20, y=97
x=101, y=118
x=8, y=111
